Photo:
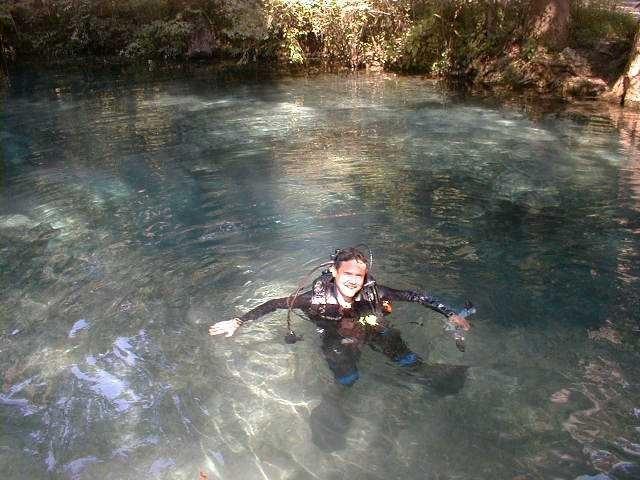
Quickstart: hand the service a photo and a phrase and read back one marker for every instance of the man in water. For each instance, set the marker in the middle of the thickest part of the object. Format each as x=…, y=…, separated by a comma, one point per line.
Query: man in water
x=348, y=308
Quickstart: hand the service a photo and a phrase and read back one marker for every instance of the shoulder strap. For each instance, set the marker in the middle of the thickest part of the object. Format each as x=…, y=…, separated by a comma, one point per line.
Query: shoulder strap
x=320, y=289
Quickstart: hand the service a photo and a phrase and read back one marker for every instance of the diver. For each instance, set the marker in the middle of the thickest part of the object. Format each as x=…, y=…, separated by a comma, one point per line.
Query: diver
x=349, y=308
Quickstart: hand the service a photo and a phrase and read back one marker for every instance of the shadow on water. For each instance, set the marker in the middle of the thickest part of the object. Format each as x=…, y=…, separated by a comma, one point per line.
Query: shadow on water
x=137, y=210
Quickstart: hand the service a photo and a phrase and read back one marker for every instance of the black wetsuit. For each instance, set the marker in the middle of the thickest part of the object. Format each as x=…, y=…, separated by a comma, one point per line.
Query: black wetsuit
x=345, y=330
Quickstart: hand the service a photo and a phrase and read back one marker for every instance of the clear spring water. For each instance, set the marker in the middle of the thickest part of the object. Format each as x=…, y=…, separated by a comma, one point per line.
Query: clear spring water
x=136, y=211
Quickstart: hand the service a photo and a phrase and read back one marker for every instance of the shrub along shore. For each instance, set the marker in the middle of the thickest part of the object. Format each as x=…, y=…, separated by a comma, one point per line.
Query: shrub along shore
x=569, y=48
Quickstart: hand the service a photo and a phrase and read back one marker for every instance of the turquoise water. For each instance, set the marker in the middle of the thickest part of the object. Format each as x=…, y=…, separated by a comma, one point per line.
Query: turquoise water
x=136, y=211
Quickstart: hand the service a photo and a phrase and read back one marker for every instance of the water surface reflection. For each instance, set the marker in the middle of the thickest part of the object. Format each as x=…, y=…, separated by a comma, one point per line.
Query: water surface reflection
x=135, y=213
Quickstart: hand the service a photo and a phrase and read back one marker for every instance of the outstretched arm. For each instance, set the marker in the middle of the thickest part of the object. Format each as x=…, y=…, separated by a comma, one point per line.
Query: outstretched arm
x=229, y=327
x=428, y=301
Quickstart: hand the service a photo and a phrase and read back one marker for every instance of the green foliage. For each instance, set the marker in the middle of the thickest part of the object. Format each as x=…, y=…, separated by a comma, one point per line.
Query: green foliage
x=7, y=32
x=595, y=21
x=441, y=37
x=244, y=30
x=448, y=34
x=530, y=48
x=352, y=33
x=420, y=49
x=64, y=28
x=168, y=40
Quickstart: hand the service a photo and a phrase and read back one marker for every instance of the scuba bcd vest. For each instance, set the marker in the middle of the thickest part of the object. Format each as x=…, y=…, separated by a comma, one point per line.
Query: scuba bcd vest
x=324, y=295
x=367, y=301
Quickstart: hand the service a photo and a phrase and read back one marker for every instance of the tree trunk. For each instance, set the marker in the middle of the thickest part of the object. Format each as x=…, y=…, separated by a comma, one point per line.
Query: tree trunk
x=549, y=22
x=626, y=90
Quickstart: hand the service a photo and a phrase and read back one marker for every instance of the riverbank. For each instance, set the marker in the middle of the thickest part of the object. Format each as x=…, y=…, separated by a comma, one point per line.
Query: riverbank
x=483, y=43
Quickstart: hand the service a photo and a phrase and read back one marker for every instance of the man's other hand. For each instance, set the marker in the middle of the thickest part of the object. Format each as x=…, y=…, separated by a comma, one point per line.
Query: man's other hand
x=228, y=327
x=460, y=322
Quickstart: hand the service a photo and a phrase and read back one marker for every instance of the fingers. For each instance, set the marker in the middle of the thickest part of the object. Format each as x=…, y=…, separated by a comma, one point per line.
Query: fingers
x=217, y=329
x=228, y=327
x=461, y=322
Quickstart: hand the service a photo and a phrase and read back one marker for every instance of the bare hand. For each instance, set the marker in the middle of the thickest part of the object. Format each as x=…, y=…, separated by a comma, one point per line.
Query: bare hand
x=228, y=327
x=460, y=322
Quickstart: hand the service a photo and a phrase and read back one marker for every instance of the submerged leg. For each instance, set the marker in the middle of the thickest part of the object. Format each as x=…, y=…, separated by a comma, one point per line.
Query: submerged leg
x=342, y=359
x=329, y=423
x=393, y=346
x=441, y=379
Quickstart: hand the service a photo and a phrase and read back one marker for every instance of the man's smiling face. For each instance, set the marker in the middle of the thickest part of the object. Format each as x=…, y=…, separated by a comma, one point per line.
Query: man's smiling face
x=349, y=277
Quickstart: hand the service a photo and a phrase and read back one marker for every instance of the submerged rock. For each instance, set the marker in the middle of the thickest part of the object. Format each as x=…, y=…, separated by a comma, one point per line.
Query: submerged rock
x=605, y=333
x=583, y=87
x=568, y=74
x=561, y=396
x=22, y=229
x=600, y=476
x=601, y=459
x=625, y=471
x=628, y=446
x=77, y=327
x=16, y=221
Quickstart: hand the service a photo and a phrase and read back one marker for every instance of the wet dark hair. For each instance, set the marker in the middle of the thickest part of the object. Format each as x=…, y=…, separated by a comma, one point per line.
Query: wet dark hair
x=351, y=253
